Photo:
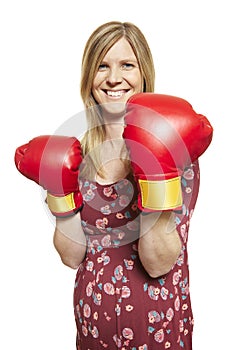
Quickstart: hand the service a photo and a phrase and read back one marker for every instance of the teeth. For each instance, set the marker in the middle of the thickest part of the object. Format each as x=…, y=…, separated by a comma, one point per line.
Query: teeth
x=115, y=93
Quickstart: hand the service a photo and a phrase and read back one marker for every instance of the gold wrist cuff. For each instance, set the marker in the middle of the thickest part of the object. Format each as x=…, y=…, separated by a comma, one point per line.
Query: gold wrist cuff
x=61, y=204
x=161, y=195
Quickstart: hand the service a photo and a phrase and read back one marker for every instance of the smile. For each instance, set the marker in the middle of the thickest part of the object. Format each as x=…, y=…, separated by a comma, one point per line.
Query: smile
x=118, y=93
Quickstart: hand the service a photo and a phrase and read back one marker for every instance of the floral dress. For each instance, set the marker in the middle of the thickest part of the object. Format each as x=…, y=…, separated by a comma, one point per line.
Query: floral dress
x=117, y=304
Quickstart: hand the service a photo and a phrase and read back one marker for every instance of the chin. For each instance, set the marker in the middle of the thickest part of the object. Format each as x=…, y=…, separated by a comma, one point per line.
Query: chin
x=114, y=108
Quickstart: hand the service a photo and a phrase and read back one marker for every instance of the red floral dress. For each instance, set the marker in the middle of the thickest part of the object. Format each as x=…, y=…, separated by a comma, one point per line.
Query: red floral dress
x=117, y=304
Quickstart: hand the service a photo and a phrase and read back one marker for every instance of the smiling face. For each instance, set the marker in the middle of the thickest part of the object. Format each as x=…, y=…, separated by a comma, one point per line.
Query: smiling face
x=117, y=79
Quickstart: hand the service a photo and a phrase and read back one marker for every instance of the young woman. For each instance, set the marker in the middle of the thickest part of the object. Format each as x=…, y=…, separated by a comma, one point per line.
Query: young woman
x=128, y=246
x=132, y=285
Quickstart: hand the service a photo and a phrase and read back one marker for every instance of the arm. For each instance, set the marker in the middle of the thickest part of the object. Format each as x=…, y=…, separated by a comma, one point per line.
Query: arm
x=69, y=240
x=159, y=244
x=163, y=135
x=53, y=163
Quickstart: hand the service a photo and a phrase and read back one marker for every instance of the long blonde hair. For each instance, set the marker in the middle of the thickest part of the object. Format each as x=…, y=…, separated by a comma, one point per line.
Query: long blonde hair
x=98, y=44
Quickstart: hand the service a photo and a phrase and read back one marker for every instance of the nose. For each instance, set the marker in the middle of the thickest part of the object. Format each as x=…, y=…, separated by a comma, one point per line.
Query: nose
x=114, y=76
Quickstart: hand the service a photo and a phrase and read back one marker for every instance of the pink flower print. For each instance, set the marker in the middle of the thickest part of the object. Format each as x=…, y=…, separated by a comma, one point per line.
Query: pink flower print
x=117, y=340
x=101, y=223
x=105, y=259
x=188, y=174
x=78, y=311
x=120, y=235
x=95, y=316
x=108, y=318
x=106, y=241
x=119, y=216
x=167, y=345
x=86, y=310
x=170, y=314
x=181, y=326
x=109, y=288
x=118, y=310
x=133, y=225
x=104, y=345
x=97, y=297
x=84, y=330
x=125, y=292
x=177, y=303
x=127, y=333
x=89, y=289
x=105, y=210
x=124, y=201
x=118, y=291
x=143, y=347
x=176, y=277
x=180, y=260
x=154, y=316
x=107, y=191
x=164, y=293
x=129, y=264
x=95, y=332
x=89, y=266
x=118, y=272
x=153, y=292
x=184, y=286
x=122, y=183
x=89, y=195
x=134, y=206
x=183, y=232
x=188, y=190
x=159, y=336
x=129, y=308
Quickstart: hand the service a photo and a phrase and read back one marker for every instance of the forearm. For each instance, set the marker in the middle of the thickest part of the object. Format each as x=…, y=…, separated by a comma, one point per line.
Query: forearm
x=70, y=241
x=159, y=244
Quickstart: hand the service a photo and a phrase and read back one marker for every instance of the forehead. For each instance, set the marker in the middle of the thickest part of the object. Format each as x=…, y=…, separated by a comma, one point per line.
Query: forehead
x=120, y=50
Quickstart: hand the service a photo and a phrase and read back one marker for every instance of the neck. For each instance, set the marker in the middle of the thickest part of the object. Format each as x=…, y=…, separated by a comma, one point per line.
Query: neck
x=114, y=130
x=114, y=126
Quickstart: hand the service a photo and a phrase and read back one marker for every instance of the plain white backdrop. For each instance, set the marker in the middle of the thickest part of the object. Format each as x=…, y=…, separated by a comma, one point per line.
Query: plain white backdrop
x=41, y=49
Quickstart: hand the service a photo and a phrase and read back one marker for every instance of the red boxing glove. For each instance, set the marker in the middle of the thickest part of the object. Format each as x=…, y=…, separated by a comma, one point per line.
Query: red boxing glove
x=53, y=162
x=163, y=135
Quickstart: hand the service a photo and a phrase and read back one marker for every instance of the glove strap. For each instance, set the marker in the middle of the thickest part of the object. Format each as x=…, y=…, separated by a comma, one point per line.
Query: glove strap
x=61, y=205
x=161, y=195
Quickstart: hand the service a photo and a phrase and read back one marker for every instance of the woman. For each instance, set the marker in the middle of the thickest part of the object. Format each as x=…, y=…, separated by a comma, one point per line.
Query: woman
x=132, y=284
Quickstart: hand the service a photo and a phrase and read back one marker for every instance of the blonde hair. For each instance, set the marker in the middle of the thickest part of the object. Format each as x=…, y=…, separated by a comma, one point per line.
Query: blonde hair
x=98, y=44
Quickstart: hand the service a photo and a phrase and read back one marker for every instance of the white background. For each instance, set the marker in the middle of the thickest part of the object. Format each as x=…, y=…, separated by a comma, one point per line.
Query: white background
x=41, y=48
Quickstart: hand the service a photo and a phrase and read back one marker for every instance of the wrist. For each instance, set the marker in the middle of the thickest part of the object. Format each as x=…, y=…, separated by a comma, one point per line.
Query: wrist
x=160, y=195
x=62, y=206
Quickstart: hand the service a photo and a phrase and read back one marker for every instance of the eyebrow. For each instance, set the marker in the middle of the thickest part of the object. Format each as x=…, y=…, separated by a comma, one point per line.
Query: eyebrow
x=127, y=59
x=132, y=59
x=124, y=61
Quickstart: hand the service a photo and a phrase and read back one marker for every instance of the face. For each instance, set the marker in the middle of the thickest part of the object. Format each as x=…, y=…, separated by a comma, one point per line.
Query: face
x=117, y=79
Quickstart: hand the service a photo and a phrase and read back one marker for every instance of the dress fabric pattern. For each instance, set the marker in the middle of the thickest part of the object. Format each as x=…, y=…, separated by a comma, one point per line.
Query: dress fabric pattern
x=117, y=305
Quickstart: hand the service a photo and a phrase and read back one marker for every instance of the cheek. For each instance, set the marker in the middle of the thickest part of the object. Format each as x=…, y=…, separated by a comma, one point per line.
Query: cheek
x=97, y=81
x=95, y=86
x=137, y=82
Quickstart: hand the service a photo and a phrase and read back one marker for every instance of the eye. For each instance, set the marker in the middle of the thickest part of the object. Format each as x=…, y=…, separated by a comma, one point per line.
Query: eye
x=127, y=66
x=102, y=67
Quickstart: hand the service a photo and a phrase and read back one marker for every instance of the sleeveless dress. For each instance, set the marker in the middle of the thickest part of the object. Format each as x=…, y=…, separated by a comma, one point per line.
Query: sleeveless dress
x=117, y=305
